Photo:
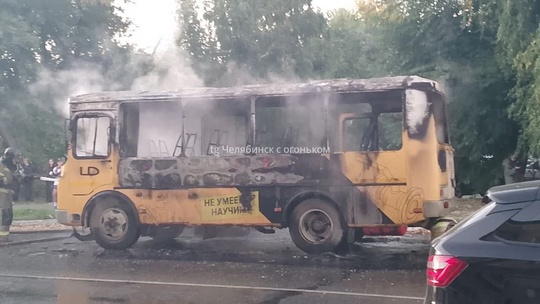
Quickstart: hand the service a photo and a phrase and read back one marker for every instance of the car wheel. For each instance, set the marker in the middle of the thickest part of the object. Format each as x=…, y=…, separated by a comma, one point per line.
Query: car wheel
x=315, y=226
x=114, y=225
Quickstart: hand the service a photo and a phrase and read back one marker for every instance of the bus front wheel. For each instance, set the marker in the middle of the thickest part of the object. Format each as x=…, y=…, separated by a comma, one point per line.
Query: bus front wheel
x=316, y=227
x=114, y=225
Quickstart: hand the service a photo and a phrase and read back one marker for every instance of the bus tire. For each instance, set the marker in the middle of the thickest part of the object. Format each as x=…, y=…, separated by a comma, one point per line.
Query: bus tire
x=114, y=225
x=316, y=227
x=167, y=233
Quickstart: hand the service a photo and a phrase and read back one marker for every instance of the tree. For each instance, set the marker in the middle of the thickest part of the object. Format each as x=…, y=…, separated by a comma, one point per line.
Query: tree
x=518, y=38
x=260, y=38
x=454, y=43
x=40, y=37
x=348, y=47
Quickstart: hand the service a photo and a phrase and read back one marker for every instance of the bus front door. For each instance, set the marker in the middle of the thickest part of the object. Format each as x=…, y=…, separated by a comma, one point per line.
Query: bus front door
x=92, y=166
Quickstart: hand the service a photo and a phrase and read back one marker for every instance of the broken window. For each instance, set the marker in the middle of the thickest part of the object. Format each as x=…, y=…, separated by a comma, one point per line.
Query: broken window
x=194, y=127
x=390, y=131
x=441, y=123
x=290, y=122
x=92, y=137
x=368, y=122
x=222, y=126
x=355, y=130
x=158, y=128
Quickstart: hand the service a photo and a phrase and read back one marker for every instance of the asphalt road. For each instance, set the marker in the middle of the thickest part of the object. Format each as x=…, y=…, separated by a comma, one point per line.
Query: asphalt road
x=256, y=268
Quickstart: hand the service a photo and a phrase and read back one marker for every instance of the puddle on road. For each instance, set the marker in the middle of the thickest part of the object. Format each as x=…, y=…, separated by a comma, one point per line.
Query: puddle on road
x=391, y=253
x=398, y=253
x=265, y=259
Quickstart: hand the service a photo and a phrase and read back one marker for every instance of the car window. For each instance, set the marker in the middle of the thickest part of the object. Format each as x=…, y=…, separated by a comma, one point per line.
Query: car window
x=521, y=232
x=524, y=227
x=482, y=212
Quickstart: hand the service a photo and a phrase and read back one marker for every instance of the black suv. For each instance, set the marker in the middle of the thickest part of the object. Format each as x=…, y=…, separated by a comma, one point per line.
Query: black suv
x=493, y=256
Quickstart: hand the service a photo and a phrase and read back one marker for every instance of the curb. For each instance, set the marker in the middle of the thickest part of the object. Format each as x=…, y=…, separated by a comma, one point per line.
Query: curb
x=34, y=241
x=39, y=231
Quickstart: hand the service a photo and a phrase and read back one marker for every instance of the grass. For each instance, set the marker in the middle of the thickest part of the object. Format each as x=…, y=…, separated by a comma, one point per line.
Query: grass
x=32, y=211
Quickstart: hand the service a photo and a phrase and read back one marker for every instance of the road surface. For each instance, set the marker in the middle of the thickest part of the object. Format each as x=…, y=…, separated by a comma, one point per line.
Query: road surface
x=256, y=268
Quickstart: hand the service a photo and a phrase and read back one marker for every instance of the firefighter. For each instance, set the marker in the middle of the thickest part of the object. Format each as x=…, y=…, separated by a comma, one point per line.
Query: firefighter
x=8, y=168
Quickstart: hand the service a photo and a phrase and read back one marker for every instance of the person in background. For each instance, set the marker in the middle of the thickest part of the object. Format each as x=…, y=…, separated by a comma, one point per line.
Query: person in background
x=50, y=185
x=57, y=171
x=7, y=169
x=510, y=167
x=27, y=184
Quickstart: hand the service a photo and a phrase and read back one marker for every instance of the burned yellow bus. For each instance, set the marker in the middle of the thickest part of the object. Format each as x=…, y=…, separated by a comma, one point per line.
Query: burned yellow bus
x=331, y=160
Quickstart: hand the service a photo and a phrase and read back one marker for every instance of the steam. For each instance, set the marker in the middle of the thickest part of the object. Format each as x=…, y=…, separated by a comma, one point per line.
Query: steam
x=237, y=75
x=171, y=71
x=59, y=86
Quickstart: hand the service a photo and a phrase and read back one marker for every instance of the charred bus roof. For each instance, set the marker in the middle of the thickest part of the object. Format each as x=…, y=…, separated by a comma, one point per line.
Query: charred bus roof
x=111, y=99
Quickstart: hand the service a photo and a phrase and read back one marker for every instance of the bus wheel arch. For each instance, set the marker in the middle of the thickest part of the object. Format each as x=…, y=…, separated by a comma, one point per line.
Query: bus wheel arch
x=113, y=221
x=91, y=204
x=316, y=224
x=302, y=196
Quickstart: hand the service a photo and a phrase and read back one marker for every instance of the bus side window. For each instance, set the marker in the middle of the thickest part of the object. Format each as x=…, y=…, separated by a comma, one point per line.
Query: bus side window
x=390, y=127
x=354, y=130
x=92, y=137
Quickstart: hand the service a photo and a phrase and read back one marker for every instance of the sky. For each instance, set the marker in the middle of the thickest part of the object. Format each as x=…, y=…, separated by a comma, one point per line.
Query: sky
x=155, y=24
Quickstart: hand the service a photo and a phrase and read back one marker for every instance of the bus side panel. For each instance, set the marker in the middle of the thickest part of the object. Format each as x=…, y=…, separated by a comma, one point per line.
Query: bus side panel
x=423, y=168
x=199, y=206
x=253, y=206
x=387, y=186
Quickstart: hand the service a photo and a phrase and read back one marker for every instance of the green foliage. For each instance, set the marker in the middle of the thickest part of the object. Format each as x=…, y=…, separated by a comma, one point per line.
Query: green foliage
x=51, y=36
x=454, y=42
x=28, y=214
x=261, y=38
x=459, y=43
x=485, y=53
x=519, y=50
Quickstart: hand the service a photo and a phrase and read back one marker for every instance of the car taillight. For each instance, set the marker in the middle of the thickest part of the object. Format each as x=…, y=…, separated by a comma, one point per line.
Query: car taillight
x=442, y=270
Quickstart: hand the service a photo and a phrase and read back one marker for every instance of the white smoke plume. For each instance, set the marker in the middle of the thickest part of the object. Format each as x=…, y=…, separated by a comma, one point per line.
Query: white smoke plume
x=61, y=85
x=172, y=71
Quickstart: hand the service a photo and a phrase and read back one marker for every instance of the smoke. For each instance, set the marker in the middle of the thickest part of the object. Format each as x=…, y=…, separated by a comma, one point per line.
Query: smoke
x=59, y=86
x=237, y=75
x=171, y=71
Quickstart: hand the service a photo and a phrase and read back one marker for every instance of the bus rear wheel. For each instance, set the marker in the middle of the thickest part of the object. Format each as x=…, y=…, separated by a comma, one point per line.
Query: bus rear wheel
x=114, y=225
x=315, y=226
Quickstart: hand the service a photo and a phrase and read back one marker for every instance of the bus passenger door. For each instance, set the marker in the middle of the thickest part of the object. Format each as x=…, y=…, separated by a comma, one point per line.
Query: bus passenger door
x=91, y=167
x=371, y=148
x=372, y=159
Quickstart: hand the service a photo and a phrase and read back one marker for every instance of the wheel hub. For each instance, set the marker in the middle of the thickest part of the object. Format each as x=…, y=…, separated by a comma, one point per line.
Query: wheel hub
x=114, y=223
x=316, y=226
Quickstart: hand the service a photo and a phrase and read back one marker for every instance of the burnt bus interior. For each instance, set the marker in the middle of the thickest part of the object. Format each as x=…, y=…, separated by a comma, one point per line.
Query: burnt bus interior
x=367, y=121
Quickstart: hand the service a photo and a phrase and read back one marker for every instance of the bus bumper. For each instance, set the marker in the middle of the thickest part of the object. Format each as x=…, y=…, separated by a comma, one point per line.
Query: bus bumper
x=62, y=217
x=437, y=208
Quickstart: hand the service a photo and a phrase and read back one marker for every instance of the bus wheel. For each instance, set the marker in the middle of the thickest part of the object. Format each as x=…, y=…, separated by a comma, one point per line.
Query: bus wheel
x=441, y=226
x=113, y=225
x=167, y=233
x=315, y=226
